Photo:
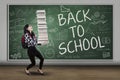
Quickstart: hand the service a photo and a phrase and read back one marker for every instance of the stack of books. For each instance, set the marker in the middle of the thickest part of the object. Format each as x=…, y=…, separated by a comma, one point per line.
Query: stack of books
x=42, y=27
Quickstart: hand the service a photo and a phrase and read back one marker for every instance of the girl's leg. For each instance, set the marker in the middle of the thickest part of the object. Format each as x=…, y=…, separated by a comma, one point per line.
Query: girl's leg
x=32, y=59
x=41, y=63
x=38, y=54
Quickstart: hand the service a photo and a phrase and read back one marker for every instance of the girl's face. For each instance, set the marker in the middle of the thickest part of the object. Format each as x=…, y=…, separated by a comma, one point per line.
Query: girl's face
x=30, y=28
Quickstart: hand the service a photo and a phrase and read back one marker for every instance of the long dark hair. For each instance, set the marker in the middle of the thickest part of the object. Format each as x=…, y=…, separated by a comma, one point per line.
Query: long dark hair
x=26, y=31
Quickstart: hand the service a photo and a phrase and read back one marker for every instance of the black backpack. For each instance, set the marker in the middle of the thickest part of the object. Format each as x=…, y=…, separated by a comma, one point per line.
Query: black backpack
x=24, y=45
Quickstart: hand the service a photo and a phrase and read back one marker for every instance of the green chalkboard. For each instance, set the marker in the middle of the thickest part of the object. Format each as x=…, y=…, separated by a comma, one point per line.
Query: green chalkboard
x=74, y=31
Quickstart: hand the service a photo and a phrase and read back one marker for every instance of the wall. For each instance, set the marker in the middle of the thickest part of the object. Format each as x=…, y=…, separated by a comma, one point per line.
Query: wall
x=116, y=28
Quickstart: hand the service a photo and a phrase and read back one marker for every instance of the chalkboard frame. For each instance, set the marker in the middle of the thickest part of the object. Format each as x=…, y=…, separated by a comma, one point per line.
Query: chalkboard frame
x=25, y=59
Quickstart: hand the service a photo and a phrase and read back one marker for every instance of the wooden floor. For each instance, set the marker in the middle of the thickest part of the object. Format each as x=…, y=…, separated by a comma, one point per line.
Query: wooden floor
x=61, y=73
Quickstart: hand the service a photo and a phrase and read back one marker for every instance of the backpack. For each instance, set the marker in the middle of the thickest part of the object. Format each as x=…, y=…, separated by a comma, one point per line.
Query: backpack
x=24, y=45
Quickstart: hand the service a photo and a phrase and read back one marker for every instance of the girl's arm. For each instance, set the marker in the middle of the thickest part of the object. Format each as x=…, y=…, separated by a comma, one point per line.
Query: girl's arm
x=37, y=41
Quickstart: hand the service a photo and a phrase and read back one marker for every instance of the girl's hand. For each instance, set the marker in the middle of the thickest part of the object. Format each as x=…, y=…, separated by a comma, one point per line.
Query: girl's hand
x=39, y=44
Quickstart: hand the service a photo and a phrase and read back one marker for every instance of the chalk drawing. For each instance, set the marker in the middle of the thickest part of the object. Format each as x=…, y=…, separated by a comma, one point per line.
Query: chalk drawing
x=89, y=31
x=97, y=22
x=97, y=18
x=51, y=43
x=19, y=22
x=102, y=16
x=18, y=31
x=24, y=55
x=53, y=30
x=16, y=55
x=62, y=35
x=50, y=53
x=20, y=13
x=12, y=13
x=50, y=19
x=23, y=12
x=64, y=9
x=106, y=54
x=97, y=14
x=34, y=20
x=106, y=40
x=12, y=38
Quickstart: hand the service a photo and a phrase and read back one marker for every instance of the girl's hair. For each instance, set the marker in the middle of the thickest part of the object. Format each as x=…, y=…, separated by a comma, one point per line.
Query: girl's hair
x=26, y=31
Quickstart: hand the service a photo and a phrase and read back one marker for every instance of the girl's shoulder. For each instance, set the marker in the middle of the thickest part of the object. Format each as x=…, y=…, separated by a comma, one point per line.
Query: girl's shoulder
x=26, y=34
x=30, y=35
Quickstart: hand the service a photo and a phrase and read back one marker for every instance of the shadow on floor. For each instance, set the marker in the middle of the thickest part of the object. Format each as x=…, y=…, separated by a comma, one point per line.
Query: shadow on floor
x=36, y=73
